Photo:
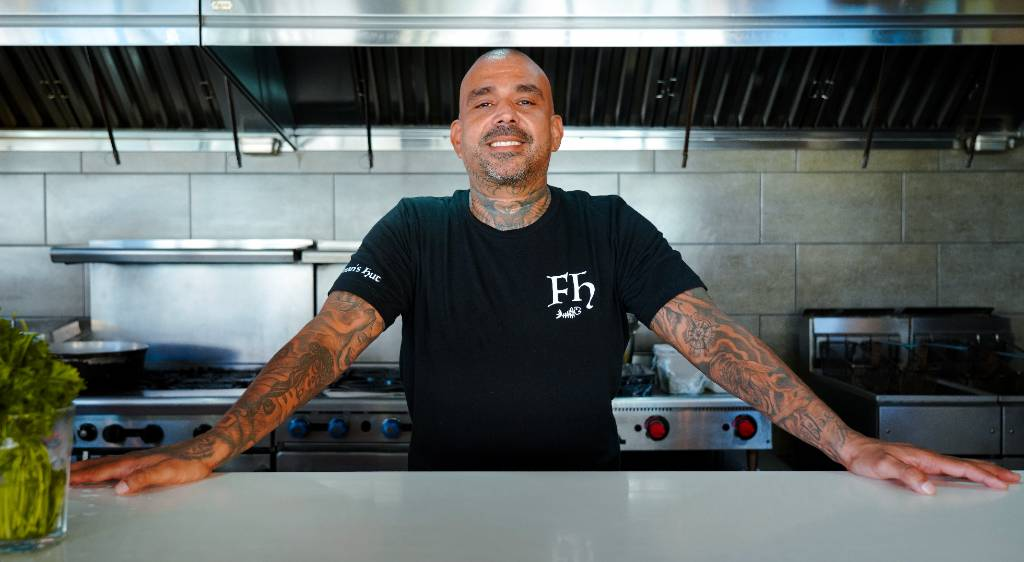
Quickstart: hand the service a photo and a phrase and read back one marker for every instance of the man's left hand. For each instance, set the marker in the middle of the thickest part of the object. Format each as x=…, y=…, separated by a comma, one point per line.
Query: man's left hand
x=908, y=464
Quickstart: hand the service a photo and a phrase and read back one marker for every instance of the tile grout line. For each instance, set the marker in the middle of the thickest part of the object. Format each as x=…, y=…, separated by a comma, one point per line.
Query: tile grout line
x=760, y=212
x=188, y=198
x=86, y=304
x=796, y=278
x=903, y=207
x=46, y=235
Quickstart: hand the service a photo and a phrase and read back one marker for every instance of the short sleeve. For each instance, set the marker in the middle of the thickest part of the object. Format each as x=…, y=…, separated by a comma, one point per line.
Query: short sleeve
x=381, y=270
x=649, y=273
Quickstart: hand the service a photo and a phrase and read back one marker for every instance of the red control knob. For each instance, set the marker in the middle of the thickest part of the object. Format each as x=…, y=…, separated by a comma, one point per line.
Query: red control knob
x=744, y=427
x=657, y=427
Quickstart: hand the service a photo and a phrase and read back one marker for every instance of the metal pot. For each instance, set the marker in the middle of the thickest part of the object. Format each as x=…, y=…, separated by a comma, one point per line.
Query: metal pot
x=104, y=365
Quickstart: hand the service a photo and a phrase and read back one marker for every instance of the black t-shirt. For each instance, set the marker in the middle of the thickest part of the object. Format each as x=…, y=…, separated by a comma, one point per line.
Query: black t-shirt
x=512, y=340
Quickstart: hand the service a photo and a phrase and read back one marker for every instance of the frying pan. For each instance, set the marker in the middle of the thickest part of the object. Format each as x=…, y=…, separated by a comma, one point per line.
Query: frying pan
x=104, y=365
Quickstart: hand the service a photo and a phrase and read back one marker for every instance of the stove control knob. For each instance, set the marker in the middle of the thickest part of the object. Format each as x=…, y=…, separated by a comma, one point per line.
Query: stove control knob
x=201, y=429
x=390, y=428
x=298, y=427
x=114, y=434
x=337, y=428
x=152, y=434
x=744, y=427
x=88, y=432
x=657, y=428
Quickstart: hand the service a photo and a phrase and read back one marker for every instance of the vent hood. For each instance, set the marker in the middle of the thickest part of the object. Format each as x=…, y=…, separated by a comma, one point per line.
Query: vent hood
x=611, y=23
x=329, y=75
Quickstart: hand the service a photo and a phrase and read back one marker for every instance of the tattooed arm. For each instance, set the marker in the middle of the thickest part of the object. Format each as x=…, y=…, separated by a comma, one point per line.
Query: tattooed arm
x=742, y=364
x=313, y=359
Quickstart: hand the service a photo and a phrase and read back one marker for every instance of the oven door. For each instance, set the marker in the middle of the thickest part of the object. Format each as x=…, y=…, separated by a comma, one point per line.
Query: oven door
x=341, y=461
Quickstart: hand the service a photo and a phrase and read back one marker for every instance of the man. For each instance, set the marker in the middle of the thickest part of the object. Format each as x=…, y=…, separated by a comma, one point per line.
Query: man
x=513, y=297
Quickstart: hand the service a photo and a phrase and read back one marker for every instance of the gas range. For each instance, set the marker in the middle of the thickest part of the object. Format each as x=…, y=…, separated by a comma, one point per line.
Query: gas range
x=361, y=422
x=947, y=379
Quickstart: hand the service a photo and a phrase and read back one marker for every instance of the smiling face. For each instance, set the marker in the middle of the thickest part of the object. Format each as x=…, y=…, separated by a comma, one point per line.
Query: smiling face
x=507, y=129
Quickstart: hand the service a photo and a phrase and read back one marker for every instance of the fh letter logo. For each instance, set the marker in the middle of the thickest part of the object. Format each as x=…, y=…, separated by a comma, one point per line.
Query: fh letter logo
x=557, y=282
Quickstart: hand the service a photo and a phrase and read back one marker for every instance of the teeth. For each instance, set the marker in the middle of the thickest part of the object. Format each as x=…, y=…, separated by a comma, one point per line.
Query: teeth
x=506, y=143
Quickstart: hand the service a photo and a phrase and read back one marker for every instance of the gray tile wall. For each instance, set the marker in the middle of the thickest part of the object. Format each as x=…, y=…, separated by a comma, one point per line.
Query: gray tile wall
x=697, y=208
x=965, y=207
x=771, y=231
x=22, y=204
x=114, y=206
x=832, y=207
x=262, y=206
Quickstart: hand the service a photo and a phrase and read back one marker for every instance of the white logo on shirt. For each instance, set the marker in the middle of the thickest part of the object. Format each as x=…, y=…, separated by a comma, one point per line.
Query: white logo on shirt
x=573, y=312
x=556, y=292
x=364, y=271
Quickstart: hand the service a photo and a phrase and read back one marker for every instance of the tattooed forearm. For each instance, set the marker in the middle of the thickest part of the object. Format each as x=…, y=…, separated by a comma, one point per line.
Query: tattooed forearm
x=314, y=358
x=746, y=367
x=200, y=448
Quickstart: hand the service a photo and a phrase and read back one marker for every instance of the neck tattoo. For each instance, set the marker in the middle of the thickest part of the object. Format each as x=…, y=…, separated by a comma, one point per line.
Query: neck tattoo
x=509, y=213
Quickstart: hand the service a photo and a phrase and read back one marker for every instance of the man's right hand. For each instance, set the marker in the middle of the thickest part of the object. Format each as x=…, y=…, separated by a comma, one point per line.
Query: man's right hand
x=180, y=463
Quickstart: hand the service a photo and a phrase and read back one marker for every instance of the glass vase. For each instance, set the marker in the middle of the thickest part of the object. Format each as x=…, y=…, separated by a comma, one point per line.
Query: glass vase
x=35, y=453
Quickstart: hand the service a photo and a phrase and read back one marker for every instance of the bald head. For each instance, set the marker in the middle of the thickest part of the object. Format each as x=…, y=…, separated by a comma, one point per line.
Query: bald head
x=507, y=127
x=474, y=83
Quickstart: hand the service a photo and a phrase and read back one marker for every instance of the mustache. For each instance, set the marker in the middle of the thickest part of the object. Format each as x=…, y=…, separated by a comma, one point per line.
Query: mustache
x=506, y=131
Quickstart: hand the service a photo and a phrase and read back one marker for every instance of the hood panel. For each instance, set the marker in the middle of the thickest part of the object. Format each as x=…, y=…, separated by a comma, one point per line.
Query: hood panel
x=934, y=90
x=99, y=22
x=610, y=23
x=804, y=68
x=923, y=89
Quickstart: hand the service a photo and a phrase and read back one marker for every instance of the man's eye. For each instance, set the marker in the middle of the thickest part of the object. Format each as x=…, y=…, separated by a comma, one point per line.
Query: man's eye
x=485, y=104
x=525, y=102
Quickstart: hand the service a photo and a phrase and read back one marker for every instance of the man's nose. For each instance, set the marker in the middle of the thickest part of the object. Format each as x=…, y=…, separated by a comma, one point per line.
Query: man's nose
x=506, y=113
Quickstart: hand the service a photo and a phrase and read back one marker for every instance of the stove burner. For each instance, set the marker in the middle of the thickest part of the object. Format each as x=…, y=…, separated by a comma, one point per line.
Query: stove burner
x=199, y=378
x=931, y=365
x=898, y=382
x=636, y=380
x=368, y=379
x=190, y=379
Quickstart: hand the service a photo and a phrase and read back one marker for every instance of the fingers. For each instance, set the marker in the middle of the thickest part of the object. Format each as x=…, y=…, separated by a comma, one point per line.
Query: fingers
x=892, y=468
x=974, y=471
x=161, y=474
x=999, y=472
x=963, y=469
x=108, y=468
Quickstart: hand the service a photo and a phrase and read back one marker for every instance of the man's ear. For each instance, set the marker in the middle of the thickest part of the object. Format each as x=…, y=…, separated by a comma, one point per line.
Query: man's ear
x=557, y=132
x=455, y=135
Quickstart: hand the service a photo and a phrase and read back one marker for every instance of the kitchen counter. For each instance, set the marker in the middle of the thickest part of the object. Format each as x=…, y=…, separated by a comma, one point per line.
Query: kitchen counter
x=472, y=516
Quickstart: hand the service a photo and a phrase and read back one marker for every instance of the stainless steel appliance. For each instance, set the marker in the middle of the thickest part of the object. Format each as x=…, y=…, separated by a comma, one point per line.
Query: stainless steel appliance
x=634, y=75
x=362, y=423
x=345, y=429
x=197, y=302
x=161, y=408
x=946, y=379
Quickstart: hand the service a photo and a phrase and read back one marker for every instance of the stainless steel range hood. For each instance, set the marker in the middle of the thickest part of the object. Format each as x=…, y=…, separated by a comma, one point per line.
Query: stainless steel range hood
x=633, y=75
x=99, y=22
x=536, y=23
x=611, y=23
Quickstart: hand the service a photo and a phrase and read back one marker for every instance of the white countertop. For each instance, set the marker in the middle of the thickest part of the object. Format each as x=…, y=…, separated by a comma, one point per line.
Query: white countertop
x=563, y=516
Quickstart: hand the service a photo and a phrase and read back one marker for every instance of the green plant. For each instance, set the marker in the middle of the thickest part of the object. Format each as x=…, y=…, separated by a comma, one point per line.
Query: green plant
x=34, y=388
